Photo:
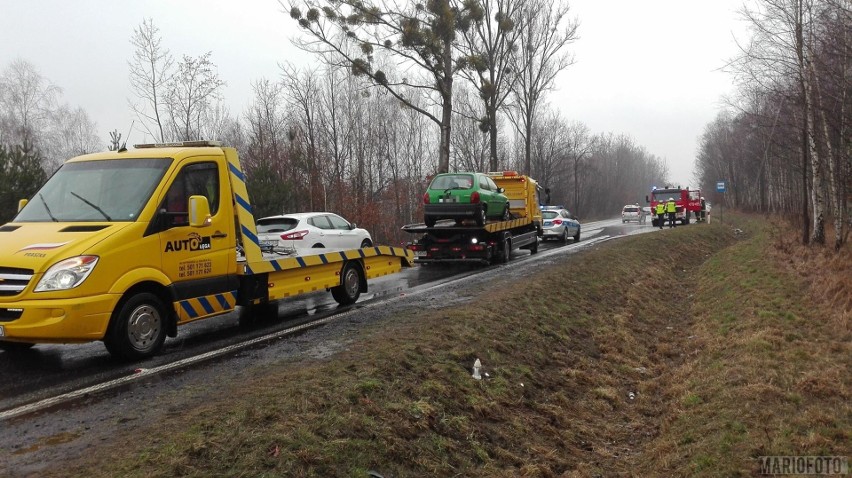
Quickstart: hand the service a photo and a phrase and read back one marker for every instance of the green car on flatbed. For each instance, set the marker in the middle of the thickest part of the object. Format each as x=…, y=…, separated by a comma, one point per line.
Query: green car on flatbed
x=463, y=196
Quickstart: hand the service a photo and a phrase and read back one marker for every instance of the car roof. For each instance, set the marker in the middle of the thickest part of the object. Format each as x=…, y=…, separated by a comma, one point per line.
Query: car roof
x=296, y=215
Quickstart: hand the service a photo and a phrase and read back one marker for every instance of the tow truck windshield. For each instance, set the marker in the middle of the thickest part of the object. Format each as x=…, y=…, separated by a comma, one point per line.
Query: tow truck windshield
x=96, y=191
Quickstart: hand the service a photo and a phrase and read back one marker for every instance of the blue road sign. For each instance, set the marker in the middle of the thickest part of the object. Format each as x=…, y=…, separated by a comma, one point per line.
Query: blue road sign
x=720, y=187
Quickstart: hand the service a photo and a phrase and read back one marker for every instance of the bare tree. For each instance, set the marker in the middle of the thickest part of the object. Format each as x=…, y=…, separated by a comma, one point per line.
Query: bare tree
x=27, y=103
x=150, y=74
x=265, y=154
x=301, y=89
x=490, y=48
x=543, y=43
x=470, y=150
x=72, y=133
x=580, y=146
x=32, y=117
x=549, y=148
x=192, y=92
x=422, y=37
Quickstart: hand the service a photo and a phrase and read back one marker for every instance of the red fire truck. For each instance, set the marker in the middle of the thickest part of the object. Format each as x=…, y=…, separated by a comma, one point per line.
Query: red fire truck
x=688, y=202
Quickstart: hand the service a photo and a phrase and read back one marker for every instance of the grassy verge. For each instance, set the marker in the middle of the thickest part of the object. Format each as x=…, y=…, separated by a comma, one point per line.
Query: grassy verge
x=770, y=368
x=619, y=361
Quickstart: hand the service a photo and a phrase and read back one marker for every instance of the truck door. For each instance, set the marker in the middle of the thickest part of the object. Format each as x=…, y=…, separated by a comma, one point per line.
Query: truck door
x=201, y=262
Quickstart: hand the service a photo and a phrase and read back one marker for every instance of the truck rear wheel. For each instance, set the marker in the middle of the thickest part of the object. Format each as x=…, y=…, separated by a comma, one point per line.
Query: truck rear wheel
x=138, y=327
x=481, y=216
x=350, y=285
x=505, y=251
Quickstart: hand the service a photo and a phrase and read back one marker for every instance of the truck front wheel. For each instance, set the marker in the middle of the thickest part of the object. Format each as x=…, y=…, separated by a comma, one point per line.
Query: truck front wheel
x=138, y=327
x=15, y=347
x=350, y=285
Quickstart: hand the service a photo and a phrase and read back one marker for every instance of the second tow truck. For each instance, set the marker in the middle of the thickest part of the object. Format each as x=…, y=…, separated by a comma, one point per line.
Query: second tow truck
x=451, y=241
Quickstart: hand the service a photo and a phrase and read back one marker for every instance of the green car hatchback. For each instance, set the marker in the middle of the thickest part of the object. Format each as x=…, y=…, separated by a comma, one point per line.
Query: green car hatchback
x=463, y=196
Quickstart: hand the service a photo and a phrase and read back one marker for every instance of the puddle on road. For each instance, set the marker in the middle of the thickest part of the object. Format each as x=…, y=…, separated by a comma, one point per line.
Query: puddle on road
x=58, y=439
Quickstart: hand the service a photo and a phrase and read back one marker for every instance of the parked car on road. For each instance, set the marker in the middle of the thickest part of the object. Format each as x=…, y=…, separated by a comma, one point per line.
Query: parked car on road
x=631, y=212
x=463, y=196
x=291, y=233
x=559, y=223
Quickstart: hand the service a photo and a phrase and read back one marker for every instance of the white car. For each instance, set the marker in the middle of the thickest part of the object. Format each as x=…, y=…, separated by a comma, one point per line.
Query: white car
x=297, y=233
x=631, y=212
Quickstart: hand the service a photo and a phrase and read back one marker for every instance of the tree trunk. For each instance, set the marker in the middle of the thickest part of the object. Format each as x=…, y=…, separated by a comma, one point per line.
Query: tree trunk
x=492, y=129
x=817, y=188
x=805, y=196
x=446, y=109
x=528, y=145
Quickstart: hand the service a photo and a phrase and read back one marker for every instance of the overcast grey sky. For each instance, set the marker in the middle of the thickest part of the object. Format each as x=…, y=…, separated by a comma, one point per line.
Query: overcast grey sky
x=648, y=69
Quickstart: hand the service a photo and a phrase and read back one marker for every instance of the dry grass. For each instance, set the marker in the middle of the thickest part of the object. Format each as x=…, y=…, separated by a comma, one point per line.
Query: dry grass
x=687, y=366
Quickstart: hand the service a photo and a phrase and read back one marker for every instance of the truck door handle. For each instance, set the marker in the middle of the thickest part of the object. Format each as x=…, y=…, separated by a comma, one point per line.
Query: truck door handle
x=219, y=235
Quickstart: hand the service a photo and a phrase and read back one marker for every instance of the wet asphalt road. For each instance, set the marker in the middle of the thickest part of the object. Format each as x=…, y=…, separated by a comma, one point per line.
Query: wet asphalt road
x=52, y=370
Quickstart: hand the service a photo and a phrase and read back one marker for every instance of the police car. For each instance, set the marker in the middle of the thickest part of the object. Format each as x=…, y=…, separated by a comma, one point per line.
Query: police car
x=558, y=223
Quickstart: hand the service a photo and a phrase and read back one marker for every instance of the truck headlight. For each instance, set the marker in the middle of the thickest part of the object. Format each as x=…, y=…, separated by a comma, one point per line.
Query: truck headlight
x=67, y=274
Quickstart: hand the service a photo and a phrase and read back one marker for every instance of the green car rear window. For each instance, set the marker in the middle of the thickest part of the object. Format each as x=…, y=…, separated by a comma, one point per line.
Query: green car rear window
x=452, y=181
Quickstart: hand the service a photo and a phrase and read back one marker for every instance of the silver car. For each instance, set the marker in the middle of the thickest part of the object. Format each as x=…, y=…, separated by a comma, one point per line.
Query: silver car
x=298, y=233
x=558, y=223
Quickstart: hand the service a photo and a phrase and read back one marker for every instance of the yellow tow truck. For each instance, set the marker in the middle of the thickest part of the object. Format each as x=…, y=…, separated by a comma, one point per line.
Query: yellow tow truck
x=125, y=246
x=492, y=242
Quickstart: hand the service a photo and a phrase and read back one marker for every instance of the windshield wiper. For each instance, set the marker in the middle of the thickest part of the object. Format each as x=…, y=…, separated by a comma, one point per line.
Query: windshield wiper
x=95, y=206
x=47, y=208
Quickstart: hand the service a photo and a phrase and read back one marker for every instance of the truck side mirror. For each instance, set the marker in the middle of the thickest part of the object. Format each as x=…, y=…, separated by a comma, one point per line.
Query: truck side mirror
x=199, y=211
x=21, y=204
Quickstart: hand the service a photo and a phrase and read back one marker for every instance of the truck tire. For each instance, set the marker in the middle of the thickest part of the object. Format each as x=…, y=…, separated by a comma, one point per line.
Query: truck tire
x=137, y=328
x=251, y=315
x=15, y=347
x=349, y=290
x=481, y=216
x=505, y=251
x=534, y=246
